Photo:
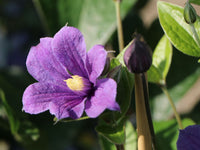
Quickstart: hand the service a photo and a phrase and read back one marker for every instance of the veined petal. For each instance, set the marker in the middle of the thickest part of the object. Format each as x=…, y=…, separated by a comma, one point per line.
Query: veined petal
x=38, y=96
x=189, y=138
x=104, y=97
x=72, y=108
x=42, y=65
x=70, y=49
x=96, y=59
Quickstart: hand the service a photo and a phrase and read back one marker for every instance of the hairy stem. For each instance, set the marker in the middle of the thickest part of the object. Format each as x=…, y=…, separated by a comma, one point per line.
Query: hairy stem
x=144, y=133
x=119, y=25
x=148, y=111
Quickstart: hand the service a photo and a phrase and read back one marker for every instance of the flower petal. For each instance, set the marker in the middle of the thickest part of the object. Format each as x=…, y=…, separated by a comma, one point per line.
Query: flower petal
x=104, y=97
x=68, y=108
x=42, y=65
x=189, y=138
x=96, y=59
x=38, y=96
x=70, y=49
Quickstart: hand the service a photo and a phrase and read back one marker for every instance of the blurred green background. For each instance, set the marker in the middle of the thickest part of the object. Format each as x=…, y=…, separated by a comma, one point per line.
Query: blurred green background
x=22, y=25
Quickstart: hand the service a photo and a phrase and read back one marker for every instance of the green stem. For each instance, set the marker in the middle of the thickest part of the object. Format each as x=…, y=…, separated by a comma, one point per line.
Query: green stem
x=119, y=25
x=195, y=34
x=173, y=106
x=41, y=15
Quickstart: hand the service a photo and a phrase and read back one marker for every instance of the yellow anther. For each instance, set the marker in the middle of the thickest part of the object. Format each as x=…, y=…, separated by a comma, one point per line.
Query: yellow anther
x=75, y=83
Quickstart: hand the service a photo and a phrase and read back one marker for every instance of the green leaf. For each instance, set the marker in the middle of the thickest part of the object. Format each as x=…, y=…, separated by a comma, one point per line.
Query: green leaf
x=131, y=137
x=154, y=75
x=161, y=107
x=130, y=143
x=111, y=124
x=114, y=133
x=14, y=123
x=195, y=2
x=167, y=132
x=105, y=144
x=162, y=57
x=124, y=87
x=177, y=30
x=96, y=19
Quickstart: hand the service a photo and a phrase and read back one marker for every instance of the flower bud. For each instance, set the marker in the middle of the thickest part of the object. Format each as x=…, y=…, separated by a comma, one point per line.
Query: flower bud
x=138, y=57
x=190, y=15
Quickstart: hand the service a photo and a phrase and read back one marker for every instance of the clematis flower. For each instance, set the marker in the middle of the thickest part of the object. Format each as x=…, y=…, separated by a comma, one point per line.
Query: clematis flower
x=189, y=138
x=68, y=77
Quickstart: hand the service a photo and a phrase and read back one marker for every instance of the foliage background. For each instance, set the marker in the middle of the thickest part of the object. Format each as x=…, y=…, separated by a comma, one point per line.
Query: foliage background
x=21, y=28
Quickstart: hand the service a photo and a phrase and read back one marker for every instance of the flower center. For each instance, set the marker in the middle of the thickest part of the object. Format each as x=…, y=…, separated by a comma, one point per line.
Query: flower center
x=75, y=83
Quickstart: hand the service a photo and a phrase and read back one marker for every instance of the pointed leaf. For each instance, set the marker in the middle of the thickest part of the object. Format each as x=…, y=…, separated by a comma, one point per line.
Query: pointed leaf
x=177, y=30
x=162, y=57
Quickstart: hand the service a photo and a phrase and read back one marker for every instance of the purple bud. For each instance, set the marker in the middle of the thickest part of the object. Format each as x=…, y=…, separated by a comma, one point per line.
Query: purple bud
x=189, y=138
x=138, y=57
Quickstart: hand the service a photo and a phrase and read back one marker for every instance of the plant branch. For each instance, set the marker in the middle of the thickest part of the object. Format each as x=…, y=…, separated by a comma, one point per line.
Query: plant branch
x=173, y=106
x=119, y=25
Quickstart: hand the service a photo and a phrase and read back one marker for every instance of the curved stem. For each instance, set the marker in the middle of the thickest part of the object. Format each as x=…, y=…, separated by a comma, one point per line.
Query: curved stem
x=41, y=15
x=173, y=106
x=195, y=34
x=119, y=25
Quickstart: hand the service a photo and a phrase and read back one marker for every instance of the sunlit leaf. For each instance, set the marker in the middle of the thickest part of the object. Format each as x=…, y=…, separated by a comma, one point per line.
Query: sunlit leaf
x=161, y=61
x=177, y=30
x=131, y=137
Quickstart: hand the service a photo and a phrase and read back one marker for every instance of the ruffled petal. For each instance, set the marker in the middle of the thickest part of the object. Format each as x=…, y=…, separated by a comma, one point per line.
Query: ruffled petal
x=104, y=97
x=68, y=108
x=42, y=65
x=70, y=49
x=96, y=59
x=38, y=96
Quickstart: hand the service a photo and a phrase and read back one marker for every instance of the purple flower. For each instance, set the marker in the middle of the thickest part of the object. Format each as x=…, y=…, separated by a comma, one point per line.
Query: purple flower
x=189, y=138
x=67, y=77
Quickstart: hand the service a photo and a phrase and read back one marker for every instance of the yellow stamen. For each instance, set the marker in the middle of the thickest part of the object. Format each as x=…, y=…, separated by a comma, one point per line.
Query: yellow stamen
x=75, y=83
